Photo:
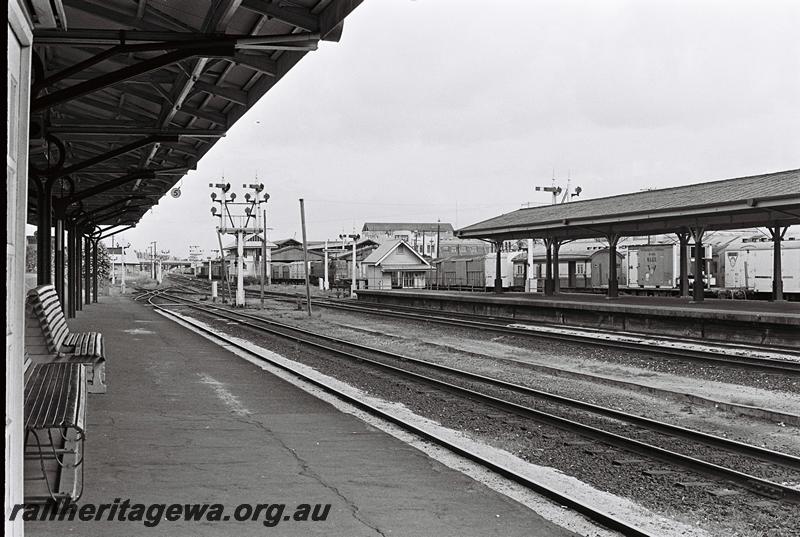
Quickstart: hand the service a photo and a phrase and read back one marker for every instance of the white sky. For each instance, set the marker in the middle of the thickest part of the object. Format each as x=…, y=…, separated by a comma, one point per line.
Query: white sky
x=456, y=109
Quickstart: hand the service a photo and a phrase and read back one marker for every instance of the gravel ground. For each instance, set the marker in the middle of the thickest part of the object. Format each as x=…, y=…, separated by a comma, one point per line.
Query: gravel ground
x=639, y=359
x=744, y=429
x=736, y=514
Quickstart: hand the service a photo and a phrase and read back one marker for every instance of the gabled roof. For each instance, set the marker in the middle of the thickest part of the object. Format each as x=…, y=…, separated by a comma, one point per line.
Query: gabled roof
x=382, y=252
x=286, y=242
x=759, y=200
x=410, y=226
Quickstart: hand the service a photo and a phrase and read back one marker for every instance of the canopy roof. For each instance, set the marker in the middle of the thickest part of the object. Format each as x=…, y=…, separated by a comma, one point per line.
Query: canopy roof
x=761, y=200
x=129, y=95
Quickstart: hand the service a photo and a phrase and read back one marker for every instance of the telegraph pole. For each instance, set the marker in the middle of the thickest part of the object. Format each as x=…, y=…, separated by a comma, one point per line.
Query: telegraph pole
x=438, y=235
x=325, y=285
x=123, y=268
x=305, y=255
x=153, y=260
x=263, y=258
x=354, y=284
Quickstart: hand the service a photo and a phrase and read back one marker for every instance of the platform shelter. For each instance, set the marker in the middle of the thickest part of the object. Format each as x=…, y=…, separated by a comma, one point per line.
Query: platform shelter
x=770, y=200
x=110, y=104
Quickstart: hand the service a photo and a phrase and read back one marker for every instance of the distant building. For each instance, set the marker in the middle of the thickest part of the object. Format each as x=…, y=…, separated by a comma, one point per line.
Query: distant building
x=252, y=254
x=130, y=263
x=287, y=242
x=340, y=257
x=421, y=236
x=395, y=265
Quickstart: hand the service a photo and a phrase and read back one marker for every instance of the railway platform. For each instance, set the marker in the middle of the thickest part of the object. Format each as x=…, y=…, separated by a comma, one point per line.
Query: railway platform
x=743, y=321
x=185, y=421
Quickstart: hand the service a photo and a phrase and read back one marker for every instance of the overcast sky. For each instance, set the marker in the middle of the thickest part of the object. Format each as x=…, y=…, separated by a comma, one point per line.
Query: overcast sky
x=456, y=109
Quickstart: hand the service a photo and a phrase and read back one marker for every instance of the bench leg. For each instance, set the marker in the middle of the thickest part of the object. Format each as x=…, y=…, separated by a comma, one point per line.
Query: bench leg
x=96, y=378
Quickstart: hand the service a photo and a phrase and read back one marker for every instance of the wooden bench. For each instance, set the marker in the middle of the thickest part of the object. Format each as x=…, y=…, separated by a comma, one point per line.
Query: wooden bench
x=47, y=337
x=55, y=426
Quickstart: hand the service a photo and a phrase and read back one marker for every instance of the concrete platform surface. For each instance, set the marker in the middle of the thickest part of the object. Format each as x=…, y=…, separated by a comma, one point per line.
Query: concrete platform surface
x=185, y=421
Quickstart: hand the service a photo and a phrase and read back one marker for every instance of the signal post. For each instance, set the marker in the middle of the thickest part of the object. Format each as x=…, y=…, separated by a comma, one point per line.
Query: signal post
x=239, y=225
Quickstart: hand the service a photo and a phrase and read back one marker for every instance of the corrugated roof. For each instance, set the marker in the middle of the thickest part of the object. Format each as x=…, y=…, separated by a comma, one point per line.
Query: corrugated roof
x=410, y=226
x=129, y=97
x=697, y=199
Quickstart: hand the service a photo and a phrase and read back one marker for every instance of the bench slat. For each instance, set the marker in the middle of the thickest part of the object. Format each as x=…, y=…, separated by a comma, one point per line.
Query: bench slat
x=55, y=396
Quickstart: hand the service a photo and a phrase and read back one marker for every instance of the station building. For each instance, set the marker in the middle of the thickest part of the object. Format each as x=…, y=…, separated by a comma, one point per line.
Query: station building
x=395, y=265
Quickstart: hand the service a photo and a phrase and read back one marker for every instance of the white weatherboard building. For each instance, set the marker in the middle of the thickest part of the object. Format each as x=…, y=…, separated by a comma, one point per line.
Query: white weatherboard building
x=395, y=265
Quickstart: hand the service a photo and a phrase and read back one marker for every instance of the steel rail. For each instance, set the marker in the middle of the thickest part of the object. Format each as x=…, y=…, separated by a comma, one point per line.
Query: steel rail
x=596, y=515
x=753, y=483
x=779, y=366
x=462, y=320
x=511, y=320
x=768, y=364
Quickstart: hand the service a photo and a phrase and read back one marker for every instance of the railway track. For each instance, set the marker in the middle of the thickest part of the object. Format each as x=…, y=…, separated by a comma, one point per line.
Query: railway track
x=727, y=354
x=688, y=449
x=592, y=513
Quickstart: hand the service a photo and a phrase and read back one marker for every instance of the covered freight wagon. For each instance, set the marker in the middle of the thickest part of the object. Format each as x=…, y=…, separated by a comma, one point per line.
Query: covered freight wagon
x=653, y=265
x=751, y=266
x=506, y=267
x=600, y=268
x=460, y=271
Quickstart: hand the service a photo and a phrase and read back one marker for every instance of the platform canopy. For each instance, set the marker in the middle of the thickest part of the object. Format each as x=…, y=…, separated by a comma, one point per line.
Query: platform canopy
x=770, y=200
x=129, y=95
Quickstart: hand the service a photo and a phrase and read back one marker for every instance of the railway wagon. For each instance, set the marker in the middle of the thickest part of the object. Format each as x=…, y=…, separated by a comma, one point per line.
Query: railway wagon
x=202, y=270
x=750, y=267
x=460, y=271
x=506, y=268
x=280, y=271
x=652, y=265
x=600, y=269
x=294, y=272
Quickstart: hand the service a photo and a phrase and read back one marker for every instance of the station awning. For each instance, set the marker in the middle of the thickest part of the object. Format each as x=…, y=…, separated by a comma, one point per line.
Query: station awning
x=129, y=95
x=761, y=200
